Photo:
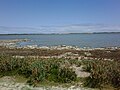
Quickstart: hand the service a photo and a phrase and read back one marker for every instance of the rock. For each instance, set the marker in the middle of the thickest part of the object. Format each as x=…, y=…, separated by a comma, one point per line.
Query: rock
x=79, y=71
x=87, y=53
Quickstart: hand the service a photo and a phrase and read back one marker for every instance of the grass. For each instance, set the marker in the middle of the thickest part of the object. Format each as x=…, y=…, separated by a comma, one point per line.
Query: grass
x=19, y=78
x=103, y=73
x=37, y=72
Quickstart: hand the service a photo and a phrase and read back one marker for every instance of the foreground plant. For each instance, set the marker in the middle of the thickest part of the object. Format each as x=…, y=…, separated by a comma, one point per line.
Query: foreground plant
x=37, y=70
x=103, y=73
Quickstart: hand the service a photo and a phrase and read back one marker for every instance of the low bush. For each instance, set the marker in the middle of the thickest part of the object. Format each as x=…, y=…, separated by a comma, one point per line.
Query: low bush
x=103, y=73
x=37, y=70
x=66, y=75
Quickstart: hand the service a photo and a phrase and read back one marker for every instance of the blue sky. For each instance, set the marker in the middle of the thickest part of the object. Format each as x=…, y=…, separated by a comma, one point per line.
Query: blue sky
x=37, y=16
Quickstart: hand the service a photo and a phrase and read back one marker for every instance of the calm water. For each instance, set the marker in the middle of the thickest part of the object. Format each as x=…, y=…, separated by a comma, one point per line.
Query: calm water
x=81, y=40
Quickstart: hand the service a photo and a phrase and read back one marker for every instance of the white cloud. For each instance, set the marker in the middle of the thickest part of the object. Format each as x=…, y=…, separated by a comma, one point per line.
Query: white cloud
x=78, y=28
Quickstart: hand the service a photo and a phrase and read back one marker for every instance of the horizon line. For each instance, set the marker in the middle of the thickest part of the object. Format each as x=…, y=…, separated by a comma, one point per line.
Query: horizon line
x=60, y=33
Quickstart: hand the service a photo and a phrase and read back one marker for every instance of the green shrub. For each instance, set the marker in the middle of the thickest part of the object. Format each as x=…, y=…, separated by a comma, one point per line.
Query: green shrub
x=38, y=70
x=103, y=73
x=66, y=75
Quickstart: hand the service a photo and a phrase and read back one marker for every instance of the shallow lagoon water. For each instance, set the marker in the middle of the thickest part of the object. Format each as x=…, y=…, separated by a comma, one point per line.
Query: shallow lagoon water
x=80, y=40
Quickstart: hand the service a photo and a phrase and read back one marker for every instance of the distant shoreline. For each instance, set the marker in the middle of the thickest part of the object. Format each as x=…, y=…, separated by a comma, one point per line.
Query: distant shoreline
x=63, y=33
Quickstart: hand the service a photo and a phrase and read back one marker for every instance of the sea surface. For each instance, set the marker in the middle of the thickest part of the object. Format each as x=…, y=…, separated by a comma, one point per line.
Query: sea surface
x=80, y=40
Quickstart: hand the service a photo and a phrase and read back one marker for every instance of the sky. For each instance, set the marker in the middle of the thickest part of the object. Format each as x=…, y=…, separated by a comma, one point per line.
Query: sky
x=59, y=16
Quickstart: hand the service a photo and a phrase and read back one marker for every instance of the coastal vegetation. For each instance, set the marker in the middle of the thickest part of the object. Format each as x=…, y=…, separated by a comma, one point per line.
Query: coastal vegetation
x=113, y=54
x=62, y=65
x=37, y=70
x=103, y=73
